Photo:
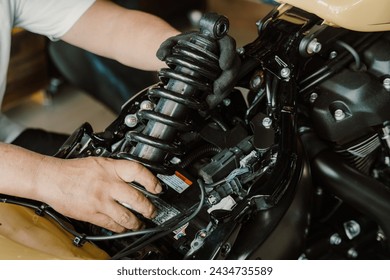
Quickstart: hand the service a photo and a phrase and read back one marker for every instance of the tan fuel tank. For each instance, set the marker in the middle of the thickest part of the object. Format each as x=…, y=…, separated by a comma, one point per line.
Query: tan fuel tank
x=25, y=235
x=358, y=15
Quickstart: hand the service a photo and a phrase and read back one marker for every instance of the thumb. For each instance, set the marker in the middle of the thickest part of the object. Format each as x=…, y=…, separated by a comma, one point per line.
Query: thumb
x=227, y=47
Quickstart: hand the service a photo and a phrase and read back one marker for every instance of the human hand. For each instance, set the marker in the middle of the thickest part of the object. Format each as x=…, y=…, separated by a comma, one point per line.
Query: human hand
x=90, y=189
x=229, y=61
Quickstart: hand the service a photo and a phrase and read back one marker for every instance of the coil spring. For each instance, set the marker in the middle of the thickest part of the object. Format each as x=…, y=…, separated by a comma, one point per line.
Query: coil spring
x=193, y=67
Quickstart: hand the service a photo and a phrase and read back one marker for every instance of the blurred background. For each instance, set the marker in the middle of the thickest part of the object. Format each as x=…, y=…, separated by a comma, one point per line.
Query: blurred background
x=57, y=87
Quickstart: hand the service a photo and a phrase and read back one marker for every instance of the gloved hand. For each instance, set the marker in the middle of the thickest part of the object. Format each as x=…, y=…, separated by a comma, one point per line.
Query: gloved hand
x=229, y=61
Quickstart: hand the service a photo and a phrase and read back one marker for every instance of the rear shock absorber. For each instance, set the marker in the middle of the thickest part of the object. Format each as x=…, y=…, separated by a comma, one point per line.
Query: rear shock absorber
x=193, y=67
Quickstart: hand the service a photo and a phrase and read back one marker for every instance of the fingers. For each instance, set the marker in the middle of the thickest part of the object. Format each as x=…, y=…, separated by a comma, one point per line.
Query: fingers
x=106, y=222
x=165, y=48
x=135, y=200
x=129, y=171
x=227, y=79
x=227, y=56
x=122, y=216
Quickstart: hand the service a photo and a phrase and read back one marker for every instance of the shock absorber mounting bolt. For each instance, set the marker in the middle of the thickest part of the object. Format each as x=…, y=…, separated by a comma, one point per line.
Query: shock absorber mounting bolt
x=146, y=105
x=131, y=120
x=314, y=46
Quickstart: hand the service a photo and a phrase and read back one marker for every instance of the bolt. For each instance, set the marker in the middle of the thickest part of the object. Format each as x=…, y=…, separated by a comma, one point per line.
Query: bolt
x=225, y=249
x=335, y=239
x=319, y=191
x=98, y=151
x=314, y=46
x=131, y=120
x=352, y=253
x=386, y=84
x=146, y=105
x=302, y=257
x=285, y=72
x=256, y=82
x=339, y=115
x=380, y=236
x=175, y=160
x=333, y=54
x=313, y=97
x=226, y=102
x=267, y=122
x=352, y=229
x=241, y=50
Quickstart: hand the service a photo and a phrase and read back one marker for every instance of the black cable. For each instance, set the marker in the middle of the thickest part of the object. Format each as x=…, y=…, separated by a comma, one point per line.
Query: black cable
x=353, y=52
x=73, y=232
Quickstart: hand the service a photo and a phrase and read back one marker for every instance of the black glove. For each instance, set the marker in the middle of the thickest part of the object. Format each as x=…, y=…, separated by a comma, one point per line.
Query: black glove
x=229, y=62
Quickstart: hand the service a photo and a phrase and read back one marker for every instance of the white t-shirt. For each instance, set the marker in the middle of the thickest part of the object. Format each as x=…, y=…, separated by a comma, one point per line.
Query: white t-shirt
x=52, y=18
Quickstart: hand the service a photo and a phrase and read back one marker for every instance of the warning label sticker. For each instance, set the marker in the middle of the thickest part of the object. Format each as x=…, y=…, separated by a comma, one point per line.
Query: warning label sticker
x=177, y=181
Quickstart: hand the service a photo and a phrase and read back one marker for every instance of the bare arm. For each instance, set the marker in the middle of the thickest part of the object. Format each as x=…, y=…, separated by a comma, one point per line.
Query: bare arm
x=86, y=189
x=129, y=36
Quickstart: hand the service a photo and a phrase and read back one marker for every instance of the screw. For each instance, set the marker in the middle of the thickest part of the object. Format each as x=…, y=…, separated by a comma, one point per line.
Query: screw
x=175, y=160
x=386, y=84
x=314, y=46
x=339, y=115
x=285, y=72
x=313, y=97
x=380, y=236
x=267, y=122
x=352, y=253
x=335, y=239
x=333, y=55
x=131, y=120
x=241, y=50
x=256, y=82
x=98, y=151
x=225, y=249
x=226, y=102
x=146, y=105
x=352, y=229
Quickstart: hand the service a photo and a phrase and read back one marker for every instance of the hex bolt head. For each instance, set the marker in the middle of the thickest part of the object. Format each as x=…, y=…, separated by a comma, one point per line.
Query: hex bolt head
x=333, y=54
x=226, y=102
x=352, y=229
x=352, y=253
x=267, y=122
x=131, y=120
x=285, y=72
x=335, y=239
x=256, y=82
x=386, y=84
x=314, y=46
x=339, y=115
x=146, y=105
x=313, y=97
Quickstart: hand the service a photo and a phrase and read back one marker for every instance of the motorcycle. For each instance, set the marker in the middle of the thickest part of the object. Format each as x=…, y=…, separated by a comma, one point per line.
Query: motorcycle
x=293, y=163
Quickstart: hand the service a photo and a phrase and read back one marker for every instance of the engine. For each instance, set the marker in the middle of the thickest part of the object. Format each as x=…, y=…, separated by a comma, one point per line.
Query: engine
x=346, y=102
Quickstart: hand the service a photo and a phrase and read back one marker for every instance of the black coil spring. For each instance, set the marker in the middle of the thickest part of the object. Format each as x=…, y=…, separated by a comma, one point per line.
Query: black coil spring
x=193, y=67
